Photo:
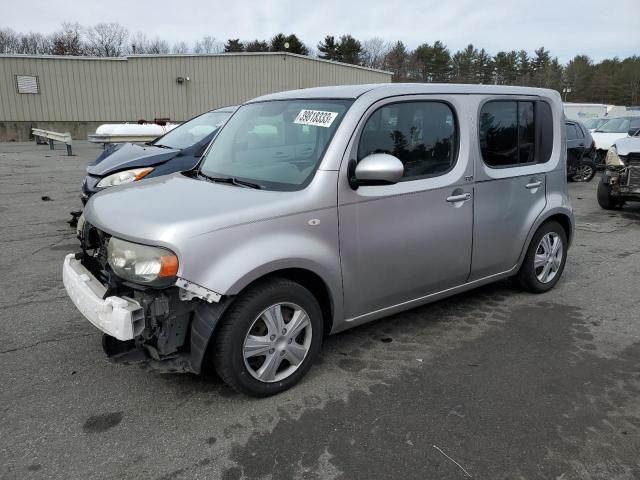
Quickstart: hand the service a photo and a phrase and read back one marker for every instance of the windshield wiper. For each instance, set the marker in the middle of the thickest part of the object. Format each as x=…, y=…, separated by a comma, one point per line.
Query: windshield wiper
x=231, y=181
x=161, y=145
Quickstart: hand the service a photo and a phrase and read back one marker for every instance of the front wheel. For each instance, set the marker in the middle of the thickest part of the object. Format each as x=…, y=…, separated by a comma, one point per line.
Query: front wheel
x=605, y=199
x=269, y=338
x=545, y=259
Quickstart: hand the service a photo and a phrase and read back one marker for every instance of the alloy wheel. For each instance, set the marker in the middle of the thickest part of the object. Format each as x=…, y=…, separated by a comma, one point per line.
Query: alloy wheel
x=277, y=342
x=548, y=257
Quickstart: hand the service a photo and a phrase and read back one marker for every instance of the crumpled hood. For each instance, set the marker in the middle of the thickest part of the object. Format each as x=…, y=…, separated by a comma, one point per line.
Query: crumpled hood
x=165, y=210
x=605, y=140
x=129, y=155
x=628, y=145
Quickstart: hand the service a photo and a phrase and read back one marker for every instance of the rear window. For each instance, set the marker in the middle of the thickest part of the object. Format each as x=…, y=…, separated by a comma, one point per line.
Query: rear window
x=573, y=133
x=513, y=133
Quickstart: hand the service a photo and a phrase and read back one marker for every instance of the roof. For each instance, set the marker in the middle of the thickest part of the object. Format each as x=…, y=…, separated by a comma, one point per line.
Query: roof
x=184, y=55
x=355, y=91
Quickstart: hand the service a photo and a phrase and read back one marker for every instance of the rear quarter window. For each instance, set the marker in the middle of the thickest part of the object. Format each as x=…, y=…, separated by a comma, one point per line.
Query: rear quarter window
x=515, y=132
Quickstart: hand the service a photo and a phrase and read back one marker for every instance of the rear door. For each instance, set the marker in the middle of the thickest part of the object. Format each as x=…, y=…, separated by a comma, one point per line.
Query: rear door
x=509, y=188
x=575, y=146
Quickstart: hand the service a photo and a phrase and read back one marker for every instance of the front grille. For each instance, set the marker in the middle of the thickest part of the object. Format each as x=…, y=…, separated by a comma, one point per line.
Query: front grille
x=633, y=180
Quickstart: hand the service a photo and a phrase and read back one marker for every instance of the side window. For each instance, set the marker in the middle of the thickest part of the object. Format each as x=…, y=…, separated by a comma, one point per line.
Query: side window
x=572, y=133
x=515, y=132
x=423, y=135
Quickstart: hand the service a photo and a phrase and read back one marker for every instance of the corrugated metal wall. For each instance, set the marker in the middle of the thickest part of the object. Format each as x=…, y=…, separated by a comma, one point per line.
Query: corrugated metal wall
x=144, y=87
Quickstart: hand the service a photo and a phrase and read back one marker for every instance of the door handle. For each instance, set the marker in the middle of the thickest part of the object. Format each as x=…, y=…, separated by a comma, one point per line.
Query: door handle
x=459, y=198
x=533, y=185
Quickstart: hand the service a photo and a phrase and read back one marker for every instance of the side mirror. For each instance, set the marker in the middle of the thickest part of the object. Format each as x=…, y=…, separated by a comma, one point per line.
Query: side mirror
x=376, y=169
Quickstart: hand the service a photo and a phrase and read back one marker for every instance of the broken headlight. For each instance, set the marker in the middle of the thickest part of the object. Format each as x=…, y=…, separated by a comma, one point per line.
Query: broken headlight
x=127, y=176
x=613, y=159
x=142, y=264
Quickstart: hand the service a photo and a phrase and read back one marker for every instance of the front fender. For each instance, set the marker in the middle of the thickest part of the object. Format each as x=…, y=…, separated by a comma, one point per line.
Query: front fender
x=228, y=260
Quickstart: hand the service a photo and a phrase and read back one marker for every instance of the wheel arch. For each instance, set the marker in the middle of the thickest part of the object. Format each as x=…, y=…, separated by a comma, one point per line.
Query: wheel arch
x=563, y=216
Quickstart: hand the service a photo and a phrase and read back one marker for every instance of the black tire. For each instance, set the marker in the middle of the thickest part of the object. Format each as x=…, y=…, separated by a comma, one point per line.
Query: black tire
x=228, y=343
x=585, y=172
x=605, y=199
x=527, y=277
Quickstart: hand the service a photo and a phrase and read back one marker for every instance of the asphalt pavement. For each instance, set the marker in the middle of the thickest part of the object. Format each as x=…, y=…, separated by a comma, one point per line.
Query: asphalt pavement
x=491, y=384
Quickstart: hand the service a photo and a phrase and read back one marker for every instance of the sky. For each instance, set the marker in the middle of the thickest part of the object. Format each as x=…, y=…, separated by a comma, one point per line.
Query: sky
x=597, y=28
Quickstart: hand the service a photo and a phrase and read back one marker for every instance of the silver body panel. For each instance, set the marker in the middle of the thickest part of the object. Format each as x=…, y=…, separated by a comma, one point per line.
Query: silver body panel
x=378, y=249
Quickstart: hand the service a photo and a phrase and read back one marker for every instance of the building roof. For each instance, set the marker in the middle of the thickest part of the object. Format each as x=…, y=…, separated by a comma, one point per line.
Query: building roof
x=187, y=55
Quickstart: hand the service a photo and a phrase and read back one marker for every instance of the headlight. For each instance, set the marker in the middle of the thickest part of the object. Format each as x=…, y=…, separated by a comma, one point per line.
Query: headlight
x=613, y=159
x=142, y=263
x=80, y=225
x=127, y=176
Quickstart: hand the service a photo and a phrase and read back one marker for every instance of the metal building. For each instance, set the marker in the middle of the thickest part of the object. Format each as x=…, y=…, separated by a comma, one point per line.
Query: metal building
x=78, y=93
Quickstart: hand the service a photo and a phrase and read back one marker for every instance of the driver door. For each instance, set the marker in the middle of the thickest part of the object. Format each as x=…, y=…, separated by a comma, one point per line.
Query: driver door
x=402, y=242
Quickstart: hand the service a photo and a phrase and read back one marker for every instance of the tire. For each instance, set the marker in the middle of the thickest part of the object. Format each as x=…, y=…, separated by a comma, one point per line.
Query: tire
x=253, y=327
x=585, y=172
x=605, y=199
x=529, y=276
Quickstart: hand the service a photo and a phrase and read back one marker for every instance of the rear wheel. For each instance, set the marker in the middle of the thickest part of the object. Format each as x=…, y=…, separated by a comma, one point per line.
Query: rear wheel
x=269, y=338
x=585, y=172
x=605, y=199
x=544, y=263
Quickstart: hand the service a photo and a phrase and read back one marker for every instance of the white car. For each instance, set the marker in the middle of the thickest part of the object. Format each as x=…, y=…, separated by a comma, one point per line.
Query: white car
x=616, y=128
x=621, y=181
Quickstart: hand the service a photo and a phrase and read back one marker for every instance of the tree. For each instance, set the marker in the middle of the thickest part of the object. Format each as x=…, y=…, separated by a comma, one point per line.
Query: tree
x=328, y=48
x=233, y=45
x=505, y=66
x=288, y=43
x=107, y=39
x=208, y=44
x=465, y=65
x=34, y=44
x=180, y=47
x=8, y=41
x=578, y=75
x=68, y=40
x=523, y=66
x=349, y=50
x=397, y=61
x=257, y=46
x=373, y=52
x=484, y=68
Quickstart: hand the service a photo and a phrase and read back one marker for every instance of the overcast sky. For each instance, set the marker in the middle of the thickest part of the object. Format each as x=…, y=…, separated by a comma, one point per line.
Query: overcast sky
x=598, y=28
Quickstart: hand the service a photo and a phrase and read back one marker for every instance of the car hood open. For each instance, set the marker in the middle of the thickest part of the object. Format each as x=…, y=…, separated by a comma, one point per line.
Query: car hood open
x=129, y=155
x=173, y=207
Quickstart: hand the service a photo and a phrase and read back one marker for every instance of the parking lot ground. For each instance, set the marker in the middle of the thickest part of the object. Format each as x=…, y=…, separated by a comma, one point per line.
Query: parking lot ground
x=492, y=384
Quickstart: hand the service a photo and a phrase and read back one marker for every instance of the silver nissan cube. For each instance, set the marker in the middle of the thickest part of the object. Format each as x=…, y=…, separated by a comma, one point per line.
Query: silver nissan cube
x=317, y=210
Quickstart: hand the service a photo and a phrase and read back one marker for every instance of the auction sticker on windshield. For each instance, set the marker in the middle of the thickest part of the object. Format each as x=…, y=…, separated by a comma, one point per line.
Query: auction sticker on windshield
x=315, y=117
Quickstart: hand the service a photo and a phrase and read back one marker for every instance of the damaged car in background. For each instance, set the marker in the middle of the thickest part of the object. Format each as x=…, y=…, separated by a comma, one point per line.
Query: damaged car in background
x=621, y=180
x=177, y=150
x=317, y=210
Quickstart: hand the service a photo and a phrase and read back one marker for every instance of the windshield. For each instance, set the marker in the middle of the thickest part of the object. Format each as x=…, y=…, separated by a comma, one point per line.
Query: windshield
x=276, y=145
x=617, y=125
x=191, y=132
x=595, y=122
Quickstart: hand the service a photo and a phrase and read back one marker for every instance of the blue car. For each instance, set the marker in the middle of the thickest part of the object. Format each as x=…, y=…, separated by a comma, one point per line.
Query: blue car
x=178, y=150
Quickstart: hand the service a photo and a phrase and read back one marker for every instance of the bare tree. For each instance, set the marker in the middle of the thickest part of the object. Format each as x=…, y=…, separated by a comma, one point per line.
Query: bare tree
x=35, y=44
x=8, y=41
x=208, y=45
x=107, y=39
x=374, y=52
x=157, y=46
x=68, y=40
x=180, y=47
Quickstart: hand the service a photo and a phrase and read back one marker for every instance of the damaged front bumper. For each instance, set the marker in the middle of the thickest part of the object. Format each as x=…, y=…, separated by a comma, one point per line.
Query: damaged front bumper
x=169, y=328
x=119, y=317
